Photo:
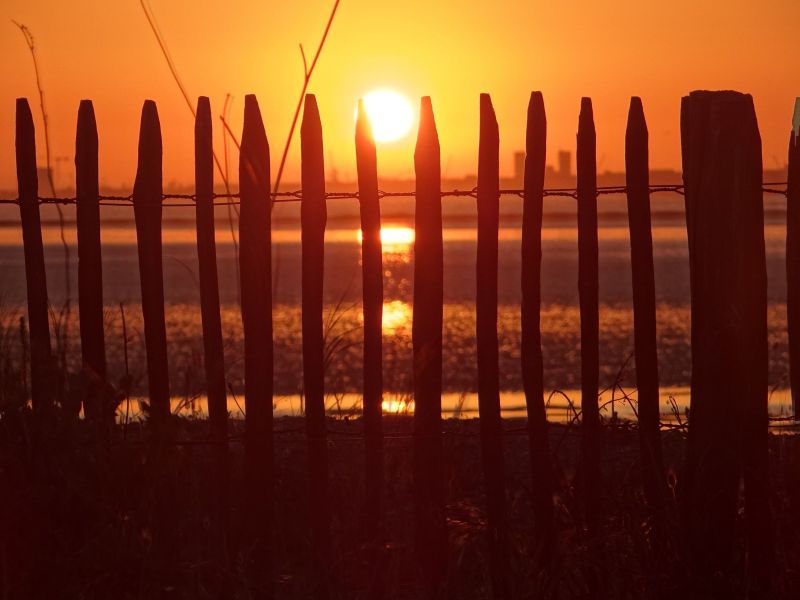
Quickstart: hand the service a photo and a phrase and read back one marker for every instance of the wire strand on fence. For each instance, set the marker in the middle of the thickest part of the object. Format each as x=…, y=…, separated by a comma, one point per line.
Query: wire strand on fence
x=225, y=199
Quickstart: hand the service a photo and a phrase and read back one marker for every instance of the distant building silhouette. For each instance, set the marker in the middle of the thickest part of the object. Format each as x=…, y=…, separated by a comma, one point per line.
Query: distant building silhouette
x=44, y=182
x=564, y=163
x=562, y=175
x=519, y=167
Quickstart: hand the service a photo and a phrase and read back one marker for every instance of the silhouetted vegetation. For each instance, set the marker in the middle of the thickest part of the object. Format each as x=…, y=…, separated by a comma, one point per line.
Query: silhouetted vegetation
x=79, y=518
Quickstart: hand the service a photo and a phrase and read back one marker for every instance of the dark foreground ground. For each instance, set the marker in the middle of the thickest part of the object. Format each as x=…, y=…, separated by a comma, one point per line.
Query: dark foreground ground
x=77, y=517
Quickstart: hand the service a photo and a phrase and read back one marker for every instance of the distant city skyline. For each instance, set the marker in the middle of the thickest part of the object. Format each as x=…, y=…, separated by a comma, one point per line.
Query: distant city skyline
x=457, y=51
x=561, y=174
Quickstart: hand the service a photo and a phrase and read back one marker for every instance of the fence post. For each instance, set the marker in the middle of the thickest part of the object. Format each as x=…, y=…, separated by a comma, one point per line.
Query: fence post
x=429, y=492
x=255, y=244
x=531, y=351
x=728, y=428
x=147, y=198
x=42, y=382
x=372, y=290
x=793, y=264
x=637, y=178
x=90, y=265
x=589, y=310
x=313, y=215
x=214, y=361
x=491, y=424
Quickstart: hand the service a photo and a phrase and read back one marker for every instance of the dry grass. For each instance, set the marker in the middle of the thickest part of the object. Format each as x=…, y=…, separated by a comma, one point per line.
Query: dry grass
x=78, y=518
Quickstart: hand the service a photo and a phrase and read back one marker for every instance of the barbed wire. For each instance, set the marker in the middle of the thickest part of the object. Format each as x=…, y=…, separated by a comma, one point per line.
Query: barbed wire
x=224, y=199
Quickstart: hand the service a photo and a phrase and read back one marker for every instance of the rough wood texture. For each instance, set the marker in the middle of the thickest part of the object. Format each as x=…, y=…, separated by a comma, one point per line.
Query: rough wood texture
x=147, y=196
x=429, y=497
x=42, y=381
x=531, y=350
x=728, y=429
x=213, y=359
x=589, y=309
x=491, y=424
x=90, y=266
x=637, y=178
x=793, y=264
x=313, y=215
x=372, y=290
x=255, y=239
x=147, y=199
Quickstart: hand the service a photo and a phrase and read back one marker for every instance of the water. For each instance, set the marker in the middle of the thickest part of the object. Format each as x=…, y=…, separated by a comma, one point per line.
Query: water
x=560, y=316
x=562, y=406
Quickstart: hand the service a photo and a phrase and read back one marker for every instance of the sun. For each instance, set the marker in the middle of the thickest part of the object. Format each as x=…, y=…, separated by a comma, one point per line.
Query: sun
x=390, y=115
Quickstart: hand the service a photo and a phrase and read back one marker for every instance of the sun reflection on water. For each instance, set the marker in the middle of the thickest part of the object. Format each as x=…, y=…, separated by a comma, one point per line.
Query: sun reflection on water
x=397, y=406
x=396, y=316
x=394, y=238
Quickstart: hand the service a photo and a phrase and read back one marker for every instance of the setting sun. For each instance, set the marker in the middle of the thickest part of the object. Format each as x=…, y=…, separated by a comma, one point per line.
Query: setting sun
x=390, y=115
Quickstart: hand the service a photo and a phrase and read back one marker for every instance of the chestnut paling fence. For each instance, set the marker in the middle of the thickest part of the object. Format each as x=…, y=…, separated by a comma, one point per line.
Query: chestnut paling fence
x=728, y=288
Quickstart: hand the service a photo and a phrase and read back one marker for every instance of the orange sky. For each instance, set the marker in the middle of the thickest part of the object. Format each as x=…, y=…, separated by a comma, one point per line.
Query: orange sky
x=451, y=50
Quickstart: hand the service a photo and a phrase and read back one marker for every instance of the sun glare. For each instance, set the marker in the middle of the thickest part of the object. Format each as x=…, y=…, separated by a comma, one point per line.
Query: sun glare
x=397, y=236
x=396, y=316
x=393, y=238
x=389, y=113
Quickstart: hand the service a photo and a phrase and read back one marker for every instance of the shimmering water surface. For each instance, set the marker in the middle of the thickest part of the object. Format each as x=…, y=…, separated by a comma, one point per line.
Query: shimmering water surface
x=560, y=316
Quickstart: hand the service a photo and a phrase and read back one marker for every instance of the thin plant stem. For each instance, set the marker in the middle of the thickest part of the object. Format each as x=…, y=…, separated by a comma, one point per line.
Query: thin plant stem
x=64, y=314
x=127, y=371
x=308, y=71
x=222, y=169
x=162, y=44
x=223, y=118
x=30, y=42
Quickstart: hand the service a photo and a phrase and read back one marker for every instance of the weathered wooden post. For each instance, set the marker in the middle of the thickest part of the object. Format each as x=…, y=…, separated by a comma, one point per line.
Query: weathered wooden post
x=531, y=351
x=255, y=243
x=426, y=333
x=213, y=358
x=90, y=265
x=42, y=380
x=491, y=424
x=372, y=292
x=637, y=178
x=793, y=261
x=313, y=216
x=147, y=197
x=589, y=309
x=728, y=428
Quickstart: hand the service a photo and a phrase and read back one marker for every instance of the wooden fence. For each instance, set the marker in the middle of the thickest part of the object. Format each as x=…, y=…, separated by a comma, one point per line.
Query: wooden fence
x=725, y=285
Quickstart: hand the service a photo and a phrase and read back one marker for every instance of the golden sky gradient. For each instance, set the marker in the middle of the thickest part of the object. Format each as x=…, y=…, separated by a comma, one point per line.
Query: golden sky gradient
x=451, y=50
